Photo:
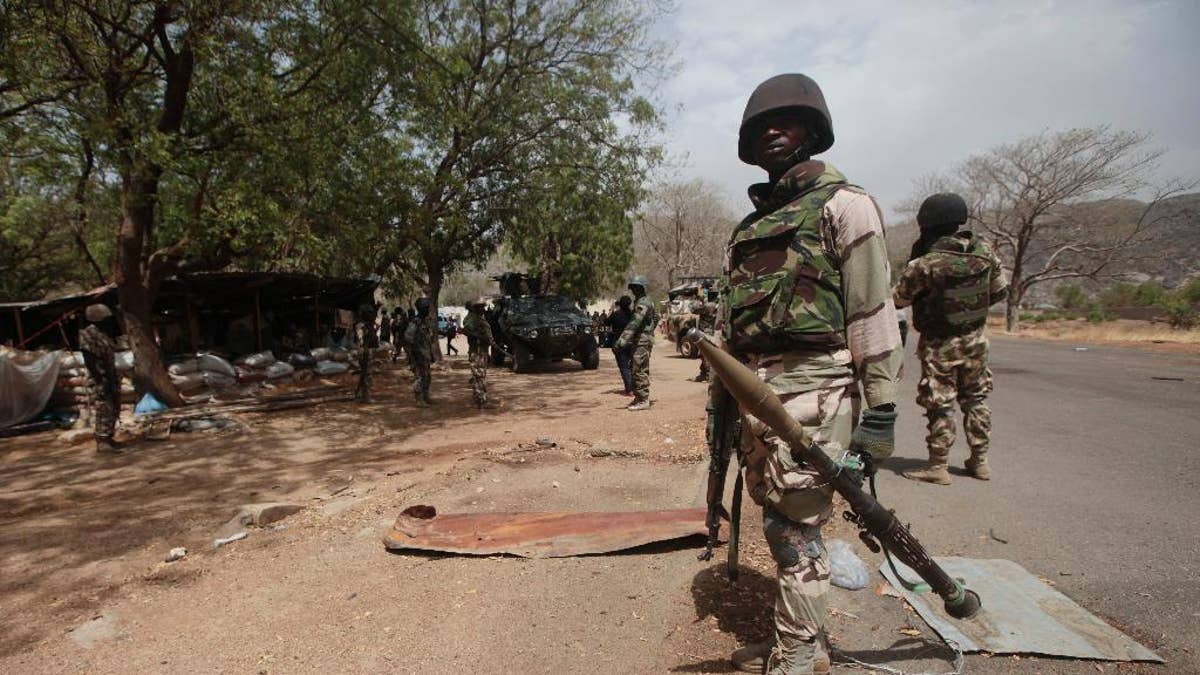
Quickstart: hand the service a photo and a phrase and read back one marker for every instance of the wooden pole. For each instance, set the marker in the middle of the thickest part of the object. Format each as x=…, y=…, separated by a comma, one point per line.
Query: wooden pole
x=20, y=328
x=257, y=320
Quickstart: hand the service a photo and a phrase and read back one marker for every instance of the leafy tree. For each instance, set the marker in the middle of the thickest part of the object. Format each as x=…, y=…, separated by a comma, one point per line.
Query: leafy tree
x=508, y=97
x=1071, y=296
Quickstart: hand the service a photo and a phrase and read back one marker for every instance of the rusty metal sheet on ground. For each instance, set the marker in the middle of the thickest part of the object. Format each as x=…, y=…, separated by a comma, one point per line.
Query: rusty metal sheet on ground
x=1021, y=615
x=539, y=535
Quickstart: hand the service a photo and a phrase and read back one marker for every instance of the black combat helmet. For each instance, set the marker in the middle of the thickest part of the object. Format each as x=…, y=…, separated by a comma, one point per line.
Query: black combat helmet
x=423, y=304
x=791, y=90
x=944, y=208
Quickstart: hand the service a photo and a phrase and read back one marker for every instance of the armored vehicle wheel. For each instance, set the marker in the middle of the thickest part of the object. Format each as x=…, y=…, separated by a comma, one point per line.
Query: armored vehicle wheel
x=687, y=348
x=522, y=359
x=591, y=358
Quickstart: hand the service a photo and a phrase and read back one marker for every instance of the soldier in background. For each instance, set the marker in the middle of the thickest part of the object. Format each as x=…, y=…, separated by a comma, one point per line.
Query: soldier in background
x=368, y=340
x=952, y=279
x=639, y=336
x=806, y=301
x=706, y=321
x=420, y=343
x=99, y=355
x=479, y=343
x=616, y=323
x=399, y=324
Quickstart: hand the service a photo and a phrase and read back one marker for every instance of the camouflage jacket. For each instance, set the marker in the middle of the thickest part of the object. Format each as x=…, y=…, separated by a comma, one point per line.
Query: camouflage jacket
x=99, y=355
x=706, y=316
x=419, y=341
x=478, y=332
x=952, y=286
x=640, y=329
x=813, y=258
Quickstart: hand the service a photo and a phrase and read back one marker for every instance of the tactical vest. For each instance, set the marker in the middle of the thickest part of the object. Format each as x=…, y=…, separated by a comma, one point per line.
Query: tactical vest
x=959, y=300
x=783, y=285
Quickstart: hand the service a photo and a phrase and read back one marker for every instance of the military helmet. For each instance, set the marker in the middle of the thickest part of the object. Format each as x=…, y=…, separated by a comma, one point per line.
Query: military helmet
x=782, y=92
x=97, y=313
x=423, y=304
x=944, y=208
x=639, y=280
x=477, y=302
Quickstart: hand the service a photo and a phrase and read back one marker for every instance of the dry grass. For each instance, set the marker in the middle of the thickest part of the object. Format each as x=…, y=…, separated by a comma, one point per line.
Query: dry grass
x=1119, y=331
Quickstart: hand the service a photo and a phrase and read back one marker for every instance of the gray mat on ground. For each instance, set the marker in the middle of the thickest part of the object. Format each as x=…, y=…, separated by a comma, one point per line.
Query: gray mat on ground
x=1021, y=615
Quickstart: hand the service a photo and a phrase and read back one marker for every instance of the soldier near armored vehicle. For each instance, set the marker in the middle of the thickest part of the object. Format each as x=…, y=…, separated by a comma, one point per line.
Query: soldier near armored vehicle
x=806, y=301
x=420, y=351
x=706, y=321
x=367, y=340
x=479, y=345
x=99, y=356
x=951, y=281
x=639, y=336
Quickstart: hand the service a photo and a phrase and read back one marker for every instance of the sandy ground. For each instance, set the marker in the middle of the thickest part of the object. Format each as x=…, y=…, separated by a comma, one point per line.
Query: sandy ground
x=82, y=541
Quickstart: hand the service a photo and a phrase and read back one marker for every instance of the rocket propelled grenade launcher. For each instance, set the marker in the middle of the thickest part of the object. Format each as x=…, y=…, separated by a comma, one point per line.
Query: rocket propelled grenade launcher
x=756, y=398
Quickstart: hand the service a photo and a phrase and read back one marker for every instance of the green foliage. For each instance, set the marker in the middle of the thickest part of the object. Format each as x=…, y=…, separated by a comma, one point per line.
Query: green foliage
x=1071, y=296
x=1181, y=315
x=1118, y=295
x=1097, y=314
x=1149, y=294
x=1189, y=292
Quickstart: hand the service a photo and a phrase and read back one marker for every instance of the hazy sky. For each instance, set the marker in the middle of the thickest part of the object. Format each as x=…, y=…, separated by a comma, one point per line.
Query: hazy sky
x=916, y=87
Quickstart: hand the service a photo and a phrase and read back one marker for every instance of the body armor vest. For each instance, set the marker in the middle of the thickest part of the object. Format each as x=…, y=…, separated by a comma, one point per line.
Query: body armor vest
x=959, y=300
x=783, y=284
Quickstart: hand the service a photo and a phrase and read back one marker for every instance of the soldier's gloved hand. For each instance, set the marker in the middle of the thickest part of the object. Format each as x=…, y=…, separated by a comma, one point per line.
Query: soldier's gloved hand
x=876, y=433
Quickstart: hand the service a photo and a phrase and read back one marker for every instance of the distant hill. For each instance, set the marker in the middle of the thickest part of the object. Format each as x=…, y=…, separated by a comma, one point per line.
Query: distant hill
x=1169, y=253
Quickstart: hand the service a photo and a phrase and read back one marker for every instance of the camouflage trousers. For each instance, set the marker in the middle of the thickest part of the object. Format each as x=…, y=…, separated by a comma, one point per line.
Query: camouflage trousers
x=362, y=392
x=422, y=379
x=479, y=364
x=796, y=503
x=955, y=369
x=106, y=408
x=641, y=371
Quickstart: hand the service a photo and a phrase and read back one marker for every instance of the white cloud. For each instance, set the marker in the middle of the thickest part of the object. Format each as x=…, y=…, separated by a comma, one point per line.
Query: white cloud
x=917, y=87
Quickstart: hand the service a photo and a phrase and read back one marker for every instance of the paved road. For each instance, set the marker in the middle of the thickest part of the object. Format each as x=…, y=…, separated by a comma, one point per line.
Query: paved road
x=1097, y=469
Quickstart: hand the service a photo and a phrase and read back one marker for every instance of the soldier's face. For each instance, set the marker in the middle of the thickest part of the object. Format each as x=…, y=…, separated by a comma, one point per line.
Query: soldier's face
x=777, y=136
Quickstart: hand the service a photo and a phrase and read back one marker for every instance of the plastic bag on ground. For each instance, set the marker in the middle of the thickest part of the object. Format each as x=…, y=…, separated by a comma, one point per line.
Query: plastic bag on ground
x=149, y=404
x=331, y=367
x=846, y=569
x=258, y=360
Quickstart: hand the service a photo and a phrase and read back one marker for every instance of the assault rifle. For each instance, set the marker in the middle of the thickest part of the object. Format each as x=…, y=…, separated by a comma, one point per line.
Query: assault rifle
x=756, y=398
x=724, y=431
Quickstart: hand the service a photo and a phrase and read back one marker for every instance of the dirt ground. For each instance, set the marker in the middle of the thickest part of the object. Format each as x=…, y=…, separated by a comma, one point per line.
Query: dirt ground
x=83, y=538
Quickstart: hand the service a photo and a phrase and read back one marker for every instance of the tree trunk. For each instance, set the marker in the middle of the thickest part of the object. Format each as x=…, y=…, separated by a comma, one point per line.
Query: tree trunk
x=437, y=276
x=135, y=300
x=1012, y=313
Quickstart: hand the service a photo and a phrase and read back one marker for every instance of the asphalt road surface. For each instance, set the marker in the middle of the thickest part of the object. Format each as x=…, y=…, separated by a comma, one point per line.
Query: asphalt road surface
x=1095, y=483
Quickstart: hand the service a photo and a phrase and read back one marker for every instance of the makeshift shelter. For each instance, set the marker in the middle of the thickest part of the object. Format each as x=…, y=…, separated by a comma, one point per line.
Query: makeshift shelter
x=235, y=312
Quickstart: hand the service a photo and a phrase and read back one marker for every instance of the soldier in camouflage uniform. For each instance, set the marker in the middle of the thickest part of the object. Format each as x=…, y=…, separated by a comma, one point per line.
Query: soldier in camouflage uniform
x=706, y=321
x=639, y=334
x=951, y=280
x=479, y=342
x=99, y=356
x=420, y=352
x=368, y=340
x=805, y=300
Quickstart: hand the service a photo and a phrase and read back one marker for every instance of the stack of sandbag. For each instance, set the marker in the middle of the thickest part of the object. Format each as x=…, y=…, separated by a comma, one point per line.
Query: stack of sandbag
x=262, y=366
x=199, y=379
x=73, y=386
x=330, y=361
x=124, y=361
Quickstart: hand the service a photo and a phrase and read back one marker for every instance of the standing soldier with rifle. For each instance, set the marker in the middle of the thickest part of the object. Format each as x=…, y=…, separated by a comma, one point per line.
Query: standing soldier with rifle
x=951, y=280
x=367, y=340
x=806, y=302
x=639, y=336
x=420, y=343
x=96, y=344
x=479, y=342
